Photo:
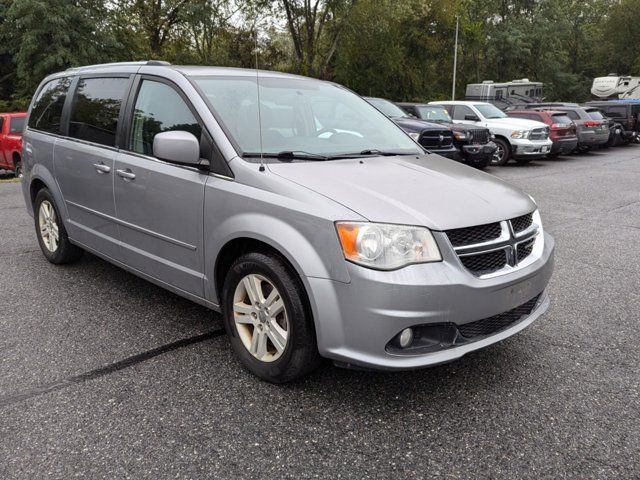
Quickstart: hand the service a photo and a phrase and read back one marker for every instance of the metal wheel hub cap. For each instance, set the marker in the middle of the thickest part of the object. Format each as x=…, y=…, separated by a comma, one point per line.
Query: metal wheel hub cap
x=260, y=317
x=48, y=224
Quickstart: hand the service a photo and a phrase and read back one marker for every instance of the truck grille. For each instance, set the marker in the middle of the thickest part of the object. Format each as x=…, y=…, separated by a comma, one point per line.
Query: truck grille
x=487, y=249
x=436, y=139
x=491, y=325
x=480, y=135
x=539, y=134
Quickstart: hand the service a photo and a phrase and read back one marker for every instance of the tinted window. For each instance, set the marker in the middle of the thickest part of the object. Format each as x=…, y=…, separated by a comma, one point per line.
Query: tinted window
x=595, y=114
x=461, y=111
x=158, y=109
x=96, y=107
x=561, y=119
x=47, y=107
x=573, y=115
x=16, y=125
x=617, y=112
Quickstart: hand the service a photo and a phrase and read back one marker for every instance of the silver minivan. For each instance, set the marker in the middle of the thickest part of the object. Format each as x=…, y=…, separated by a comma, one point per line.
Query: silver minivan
x=315, y=225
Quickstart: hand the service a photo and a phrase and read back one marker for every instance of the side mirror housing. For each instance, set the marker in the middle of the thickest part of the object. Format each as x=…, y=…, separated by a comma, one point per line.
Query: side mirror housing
x=177, y=146
x=471, y=118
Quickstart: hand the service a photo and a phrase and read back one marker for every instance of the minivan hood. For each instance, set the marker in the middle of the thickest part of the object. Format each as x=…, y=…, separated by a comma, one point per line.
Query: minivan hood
x=427, y=190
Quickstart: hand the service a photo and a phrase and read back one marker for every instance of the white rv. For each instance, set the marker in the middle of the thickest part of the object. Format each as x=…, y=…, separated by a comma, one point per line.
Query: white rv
x=615, y=86
x=505, y=94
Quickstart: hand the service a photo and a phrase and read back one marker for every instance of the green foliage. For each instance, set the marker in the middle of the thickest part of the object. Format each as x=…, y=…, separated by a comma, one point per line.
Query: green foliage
x=400, y=50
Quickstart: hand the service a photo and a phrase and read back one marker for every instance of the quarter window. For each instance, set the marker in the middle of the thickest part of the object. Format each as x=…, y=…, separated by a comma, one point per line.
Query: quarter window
x=159, y=108
x=96, y=107
x=47, y=107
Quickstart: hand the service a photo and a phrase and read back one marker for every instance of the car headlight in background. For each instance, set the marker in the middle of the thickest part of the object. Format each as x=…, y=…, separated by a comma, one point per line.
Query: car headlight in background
x=415, y=136
x=520, y=134
x=460, y=135
x=386, y=246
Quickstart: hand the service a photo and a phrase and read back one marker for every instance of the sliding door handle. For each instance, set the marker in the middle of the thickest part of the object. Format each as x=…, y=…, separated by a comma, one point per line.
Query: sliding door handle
x=126, y=174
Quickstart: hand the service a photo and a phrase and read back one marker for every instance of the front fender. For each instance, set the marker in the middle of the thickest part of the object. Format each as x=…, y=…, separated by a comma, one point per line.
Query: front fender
x=312, y=250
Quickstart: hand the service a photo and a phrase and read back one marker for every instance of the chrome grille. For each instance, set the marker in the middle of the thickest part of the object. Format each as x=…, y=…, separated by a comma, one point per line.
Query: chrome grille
x=495, y=247
x=539, y=134
x=470, y=235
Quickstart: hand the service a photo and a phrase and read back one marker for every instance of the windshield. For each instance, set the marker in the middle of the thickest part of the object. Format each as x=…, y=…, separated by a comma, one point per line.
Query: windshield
x=490, y=111
x=390, y=109
x=300, y=115
x=434, y=113
x=17, y=125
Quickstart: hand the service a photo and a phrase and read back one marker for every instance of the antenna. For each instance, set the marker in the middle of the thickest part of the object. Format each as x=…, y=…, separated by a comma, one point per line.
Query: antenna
x=259, y=114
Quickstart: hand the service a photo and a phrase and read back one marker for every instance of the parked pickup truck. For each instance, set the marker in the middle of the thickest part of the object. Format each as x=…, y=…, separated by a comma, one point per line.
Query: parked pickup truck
x=11, y=126
x=517, y=138
x=433, y=137
x=474, y=143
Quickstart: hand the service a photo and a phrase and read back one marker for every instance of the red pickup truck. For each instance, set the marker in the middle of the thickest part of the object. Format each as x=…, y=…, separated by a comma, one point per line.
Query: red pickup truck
x=11, y=126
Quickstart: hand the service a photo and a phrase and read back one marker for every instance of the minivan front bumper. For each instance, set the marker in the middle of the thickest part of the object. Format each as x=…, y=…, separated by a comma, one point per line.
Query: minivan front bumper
x=356, y=321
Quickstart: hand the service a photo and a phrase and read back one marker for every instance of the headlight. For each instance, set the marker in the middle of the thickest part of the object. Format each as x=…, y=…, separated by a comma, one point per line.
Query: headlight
x=415, y=136
x=385, y=246
x=459, y=135
x=520, y=134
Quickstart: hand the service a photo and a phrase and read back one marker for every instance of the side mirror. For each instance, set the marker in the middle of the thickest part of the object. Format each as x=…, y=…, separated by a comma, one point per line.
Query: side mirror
x=177, y=146
x=471, y=118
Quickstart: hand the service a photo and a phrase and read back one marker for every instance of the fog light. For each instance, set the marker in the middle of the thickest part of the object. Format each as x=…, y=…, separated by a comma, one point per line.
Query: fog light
x=406, y=337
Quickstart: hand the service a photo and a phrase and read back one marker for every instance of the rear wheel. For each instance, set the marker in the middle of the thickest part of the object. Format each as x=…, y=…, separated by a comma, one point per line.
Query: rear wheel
x=17, y=170
x=502, y=154
x=52, y=236
x=267, y=319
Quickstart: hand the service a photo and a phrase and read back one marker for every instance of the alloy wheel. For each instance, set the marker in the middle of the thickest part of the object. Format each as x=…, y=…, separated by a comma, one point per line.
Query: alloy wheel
x=498, y=154
x=260, y=317
x=49, y=231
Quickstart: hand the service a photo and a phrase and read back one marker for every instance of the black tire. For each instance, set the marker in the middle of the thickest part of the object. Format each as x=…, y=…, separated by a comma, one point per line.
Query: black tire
x=17, y=170
x=65, y=252
x=300, y=355
x=503, y=153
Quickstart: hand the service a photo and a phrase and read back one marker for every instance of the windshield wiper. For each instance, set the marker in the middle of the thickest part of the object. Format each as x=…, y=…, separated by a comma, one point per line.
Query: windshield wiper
x=369, y=152
x=287, y=155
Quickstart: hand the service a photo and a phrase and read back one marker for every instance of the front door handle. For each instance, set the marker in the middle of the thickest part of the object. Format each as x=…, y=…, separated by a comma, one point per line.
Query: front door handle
x=102, y=168
x=126, y=174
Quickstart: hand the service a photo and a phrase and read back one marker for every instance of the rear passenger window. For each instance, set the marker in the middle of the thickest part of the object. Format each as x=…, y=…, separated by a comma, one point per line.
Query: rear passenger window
x=96, y=107
x=573, y=115
x=47, y=107
x=159, y=108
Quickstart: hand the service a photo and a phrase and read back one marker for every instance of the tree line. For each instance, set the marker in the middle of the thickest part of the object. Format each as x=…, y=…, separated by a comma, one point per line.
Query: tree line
x=399, y=49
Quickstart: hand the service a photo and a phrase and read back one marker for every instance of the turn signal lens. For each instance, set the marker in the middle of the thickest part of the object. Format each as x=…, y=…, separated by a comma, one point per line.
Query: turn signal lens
x=386, y=246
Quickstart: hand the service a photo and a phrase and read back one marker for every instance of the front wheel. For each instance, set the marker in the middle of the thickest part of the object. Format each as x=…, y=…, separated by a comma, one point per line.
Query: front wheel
x=502, y=153
x=267, y=318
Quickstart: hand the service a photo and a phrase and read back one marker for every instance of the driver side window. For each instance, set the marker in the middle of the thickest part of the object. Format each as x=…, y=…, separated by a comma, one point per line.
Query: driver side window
x=159, y=108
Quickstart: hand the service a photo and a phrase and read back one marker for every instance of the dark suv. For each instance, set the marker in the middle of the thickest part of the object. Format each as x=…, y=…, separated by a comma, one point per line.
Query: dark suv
x=562, y=131
x=475, y=143
x=435, y=138
x=626, y=113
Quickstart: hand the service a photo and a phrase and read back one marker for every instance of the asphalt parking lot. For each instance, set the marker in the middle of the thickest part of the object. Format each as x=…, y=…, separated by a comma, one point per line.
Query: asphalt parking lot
x=103, y=375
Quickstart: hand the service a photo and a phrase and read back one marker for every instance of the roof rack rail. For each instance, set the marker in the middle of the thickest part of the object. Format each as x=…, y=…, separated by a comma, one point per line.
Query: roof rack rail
x=116, y=64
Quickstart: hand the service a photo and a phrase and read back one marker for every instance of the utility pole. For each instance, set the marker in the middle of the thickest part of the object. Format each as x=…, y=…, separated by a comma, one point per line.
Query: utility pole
x=455, y=60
